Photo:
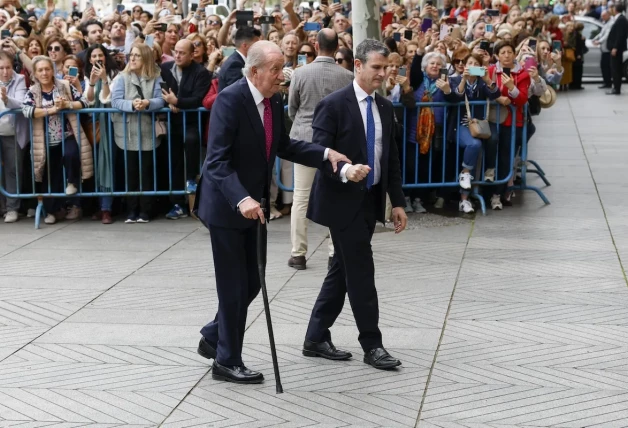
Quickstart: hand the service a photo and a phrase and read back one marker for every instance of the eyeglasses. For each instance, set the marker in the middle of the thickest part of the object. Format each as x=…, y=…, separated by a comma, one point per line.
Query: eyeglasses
x=457, y=61
x=54, y=48
x=197, y=44
x=214, y=22
x=306, y=53
x=339, y=60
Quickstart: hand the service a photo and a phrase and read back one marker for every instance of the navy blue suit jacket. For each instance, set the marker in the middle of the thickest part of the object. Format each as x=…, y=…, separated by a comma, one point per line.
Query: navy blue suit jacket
x=236, y=166
x=231, y=71
x=338, y=125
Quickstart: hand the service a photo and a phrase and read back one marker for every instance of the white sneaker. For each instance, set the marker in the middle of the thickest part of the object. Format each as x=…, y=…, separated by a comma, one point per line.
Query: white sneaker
x=71, y=189
x=489, y=175
x=439, y=204
x=274, y=213
x=418, y=207
x=465, y=180
x=50, y=219
x=74, y=213
x=30, y=213
x=496, y=203
x=466, y=206
x=11, y=217
x=408, y=208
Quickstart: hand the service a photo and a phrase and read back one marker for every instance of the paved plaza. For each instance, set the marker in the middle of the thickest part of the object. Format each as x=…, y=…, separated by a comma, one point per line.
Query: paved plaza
x=516, y=319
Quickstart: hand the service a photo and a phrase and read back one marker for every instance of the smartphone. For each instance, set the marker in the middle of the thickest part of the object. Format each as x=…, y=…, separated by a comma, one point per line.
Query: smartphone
x=268, y=20
x=484, y=45
x=492, y=12
x=194, y=7
x=101, y=64
x=162, y=26
x=426, y=24
x=407, y=34
x=444, y=31
x=387, y=19
x=164, y=86
x=302, y=60
x=177, y=19
x=429, y=3
x=150, y=40
x=336, y=1
x=532, y=44
x=506, y=71
x=72, y=71
x=529, y=63
x=244, y=17
x=312, y=26
x=489, y=28
x=444, y=73
x=228, y=51
x=402, y=71
x=451, y=21
x=325, y=2
x=120, y=8
x=6, y=34
x=397, y=37
x=556, y=45
x=477, y=71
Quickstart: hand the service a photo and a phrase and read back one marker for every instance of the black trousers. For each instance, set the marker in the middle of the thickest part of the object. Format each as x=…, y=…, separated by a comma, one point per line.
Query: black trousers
x=605, y=65
x=140, y=204
x=577, y=72
x=616, y=71
x=62, y=156
x=237, y=284
x=352, y=272
x=185, y=152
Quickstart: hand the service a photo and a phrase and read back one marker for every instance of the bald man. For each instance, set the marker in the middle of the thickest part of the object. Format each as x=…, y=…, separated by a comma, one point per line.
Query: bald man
x=188, y=82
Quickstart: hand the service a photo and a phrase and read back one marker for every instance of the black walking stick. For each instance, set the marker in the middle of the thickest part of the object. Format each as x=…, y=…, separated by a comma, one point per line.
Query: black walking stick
x=261, y=268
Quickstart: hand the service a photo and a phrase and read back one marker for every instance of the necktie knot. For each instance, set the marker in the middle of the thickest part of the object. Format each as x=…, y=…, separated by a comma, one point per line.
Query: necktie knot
x=369, y=100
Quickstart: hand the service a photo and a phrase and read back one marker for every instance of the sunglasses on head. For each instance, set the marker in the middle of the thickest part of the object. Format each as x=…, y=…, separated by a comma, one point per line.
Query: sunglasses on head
x=306, y=53
x=340, y=60
x=54, y=48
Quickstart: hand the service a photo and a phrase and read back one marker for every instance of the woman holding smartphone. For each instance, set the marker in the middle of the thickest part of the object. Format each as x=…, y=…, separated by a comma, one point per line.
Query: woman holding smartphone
x=474, y=84
x=101, y=69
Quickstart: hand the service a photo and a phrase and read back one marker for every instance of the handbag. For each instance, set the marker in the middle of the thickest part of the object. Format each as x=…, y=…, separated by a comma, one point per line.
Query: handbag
x=478, y=128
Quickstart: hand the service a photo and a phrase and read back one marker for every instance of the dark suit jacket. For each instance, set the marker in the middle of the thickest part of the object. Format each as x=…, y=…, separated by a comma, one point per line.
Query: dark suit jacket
x=195, y=83
x=338, y=124
x=236, y=165
x=231, y=71
x=618, y=35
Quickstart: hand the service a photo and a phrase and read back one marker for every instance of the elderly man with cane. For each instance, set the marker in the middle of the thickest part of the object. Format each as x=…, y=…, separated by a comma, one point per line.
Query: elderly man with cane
x=247, y=133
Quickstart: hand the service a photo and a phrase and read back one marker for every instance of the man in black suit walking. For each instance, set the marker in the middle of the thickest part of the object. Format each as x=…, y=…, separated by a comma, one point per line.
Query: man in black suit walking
x=247, y=133
x=360, y=123
x=616, y=43
x=231, y=70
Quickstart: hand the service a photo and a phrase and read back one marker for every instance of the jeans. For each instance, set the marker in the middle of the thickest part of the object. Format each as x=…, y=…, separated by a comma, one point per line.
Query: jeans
x=472, y=147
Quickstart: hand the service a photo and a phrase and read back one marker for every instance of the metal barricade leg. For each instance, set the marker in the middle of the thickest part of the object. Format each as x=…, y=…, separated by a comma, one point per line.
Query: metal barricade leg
x=39, y=212
x=537, y=166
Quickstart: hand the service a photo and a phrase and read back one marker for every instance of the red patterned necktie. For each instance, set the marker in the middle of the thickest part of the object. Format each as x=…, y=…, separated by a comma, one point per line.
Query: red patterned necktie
x=268, y=126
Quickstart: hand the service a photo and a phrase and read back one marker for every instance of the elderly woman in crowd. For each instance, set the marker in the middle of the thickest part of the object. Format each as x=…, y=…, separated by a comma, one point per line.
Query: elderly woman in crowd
x=56, y=151
x=136, y=90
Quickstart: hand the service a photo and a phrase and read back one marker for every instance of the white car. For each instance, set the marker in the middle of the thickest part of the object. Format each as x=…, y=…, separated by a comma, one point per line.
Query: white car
x=592, y=28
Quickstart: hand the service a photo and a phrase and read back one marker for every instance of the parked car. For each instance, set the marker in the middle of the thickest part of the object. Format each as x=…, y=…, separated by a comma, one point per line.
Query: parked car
x=592, y=28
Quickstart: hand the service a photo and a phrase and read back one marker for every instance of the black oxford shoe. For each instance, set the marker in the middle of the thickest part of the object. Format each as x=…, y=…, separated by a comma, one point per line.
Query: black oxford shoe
x=205, y=349
x=297, y=262
x=381, y=359
x=235, y=374
x=324, y=350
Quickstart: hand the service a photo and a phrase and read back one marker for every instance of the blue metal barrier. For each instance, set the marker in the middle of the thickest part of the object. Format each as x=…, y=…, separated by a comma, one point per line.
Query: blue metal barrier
x=176, y=185
x=451, y=180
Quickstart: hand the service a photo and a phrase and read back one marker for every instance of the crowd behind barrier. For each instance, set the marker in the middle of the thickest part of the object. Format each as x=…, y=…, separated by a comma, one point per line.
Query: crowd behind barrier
x=439, y=168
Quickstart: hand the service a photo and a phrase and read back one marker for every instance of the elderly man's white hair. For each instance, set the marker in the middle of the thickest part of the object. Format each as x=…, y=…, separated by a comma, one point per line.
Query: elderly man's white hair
x=257, y=55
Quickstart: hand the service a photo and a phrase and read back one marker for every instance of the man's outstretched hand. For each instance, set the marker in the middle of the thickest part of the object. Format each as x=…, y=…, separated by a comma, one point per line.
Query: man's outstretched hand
x=334, y=157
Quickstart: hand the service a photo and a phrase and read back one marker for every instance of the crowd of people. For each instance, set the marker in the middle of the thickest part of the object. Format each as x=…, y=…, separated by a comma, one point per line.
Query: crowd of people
x=135, y=61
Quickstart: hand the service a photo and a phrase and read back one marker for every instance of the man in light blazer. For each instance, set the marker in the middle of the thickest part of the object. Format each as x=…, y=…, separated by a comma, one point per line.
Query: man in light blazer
x=309, y=85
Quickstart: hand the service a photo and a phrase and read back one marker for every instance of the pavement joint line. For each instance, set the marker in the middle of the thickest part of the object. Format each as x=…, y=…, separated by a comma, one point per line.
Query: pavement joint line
x=597, y=192
x=99, y=295
x=442, y=333
x=252, y=322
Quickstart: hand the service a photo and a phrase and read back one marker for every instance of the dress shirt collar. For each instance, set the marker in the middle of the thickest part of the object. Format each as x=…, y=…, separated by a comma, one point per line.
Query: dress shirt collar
x=240, y=53
x=257, y=95
x=360, y=93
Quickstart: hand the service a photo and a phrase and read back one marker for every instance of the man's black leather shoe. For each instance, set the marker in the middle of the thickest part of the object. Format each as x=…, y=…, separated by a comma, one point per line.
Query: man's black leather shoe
x=381, y=359
x=235, y=374
x=206, y=350
x=605, y=86
x=324, y=350
x=613, y=92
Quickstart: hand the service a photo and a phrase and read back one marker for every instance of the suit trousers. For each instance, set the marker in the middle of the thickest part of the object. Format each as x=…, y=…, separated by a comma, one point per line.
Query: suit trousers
x=303, y=179
x=616, y=67
x=352, y=272
x=605, y=65
x=237, y=284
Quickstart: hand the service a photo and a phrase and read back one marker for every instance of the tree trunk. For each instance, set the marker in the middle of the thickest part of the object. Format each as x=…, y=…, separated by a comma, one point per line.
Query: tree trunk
x=365, y=20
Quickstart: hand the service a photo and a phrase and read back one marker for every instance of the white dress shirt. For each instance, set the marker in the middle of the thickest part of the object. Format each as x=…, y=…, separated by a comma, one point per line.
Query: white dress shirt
x=361, y=95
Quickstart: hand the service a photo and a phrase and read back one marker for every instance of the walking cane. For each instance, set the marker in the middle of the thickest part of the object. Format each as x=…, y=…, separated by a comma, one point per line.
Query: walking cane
x=261, y=268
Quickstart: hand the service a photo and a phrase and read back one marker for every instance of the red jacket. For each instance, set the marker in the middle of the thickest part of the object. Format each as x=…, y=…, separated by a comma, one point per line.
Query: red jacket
x=208, y=102
x=522, y=83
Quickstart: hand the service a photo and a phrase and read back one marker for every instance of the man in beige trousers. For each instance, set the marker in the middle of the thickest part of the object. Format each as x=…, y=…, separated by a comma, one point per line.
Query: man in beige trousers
x=310, y=84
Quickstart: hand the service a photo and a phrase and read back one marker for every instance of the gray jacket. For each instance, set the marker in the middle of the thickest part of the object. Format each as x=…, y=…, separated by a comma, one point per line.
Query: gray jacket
x=16, y=92
x=309, y=85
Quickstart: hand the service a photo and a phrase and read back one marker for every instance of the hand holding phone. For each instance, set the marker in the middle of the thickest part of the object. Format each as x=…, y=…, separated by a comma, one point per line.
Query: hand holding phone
x=302, y=60
x=402, y=71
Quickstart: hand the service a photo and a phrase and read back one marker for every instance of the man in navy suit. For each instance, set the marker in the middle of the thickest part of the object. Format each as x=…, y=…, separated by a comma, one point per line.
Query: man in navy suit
x=247, y=133
x=231, y=70
x=360, y=123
